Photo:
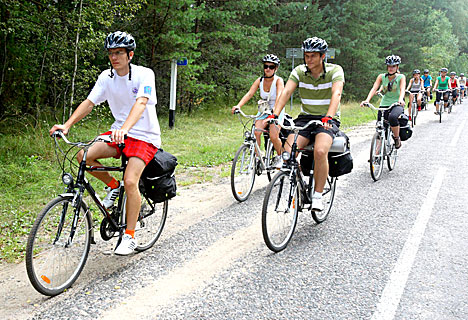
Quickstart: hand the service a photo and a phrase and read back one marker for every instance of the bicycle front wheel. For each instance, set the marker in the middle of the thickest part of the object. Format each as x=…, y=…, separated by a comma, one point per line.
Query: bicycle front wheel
x=279, y=212
x=270, y=155
x=55, y=257
x=150, y=223
x=243, y=172
x=392, y=154
x=328, y=196
x=376, y=156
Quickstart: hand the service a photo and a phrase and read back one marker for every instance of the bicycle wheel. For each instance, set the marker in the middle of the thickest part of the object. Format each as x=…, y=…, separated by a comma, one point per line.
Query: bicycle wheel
x=441, y=110
x=328, y=196
x=415, y=114
x=54, y=259
x=150, y=222
x=392, y=154
x=243, y=172
x=279, y=212
x=376, y=156
x=269, y=156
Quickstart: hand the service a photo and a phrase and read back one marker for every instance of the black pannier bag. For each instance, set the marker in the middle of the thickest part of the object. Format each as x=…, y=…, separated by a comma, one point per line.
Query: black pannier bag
x=405, y=129
x=340, y=163
x=157, y=180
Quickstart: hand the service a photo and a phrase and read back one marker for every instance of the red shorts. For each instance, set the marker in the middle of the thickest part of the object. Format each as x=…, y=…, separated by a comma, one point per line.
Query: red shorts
x=134, y=148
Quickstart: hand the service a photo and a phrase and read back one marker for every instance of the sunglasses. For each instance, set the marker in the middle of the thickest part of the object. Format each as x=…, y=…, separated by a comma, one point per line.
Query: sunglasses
x=271, y=67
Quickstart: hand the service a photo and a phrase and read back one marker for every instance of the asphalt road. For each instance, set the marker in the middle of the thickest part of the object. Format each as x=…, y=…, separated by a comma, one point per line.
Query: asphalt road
x=392, y=249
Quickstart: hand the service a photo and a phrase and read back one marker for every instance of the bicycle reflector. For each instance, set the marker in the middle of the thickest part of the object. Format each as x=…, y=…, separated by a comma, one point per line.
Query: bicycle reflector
x=67, y=179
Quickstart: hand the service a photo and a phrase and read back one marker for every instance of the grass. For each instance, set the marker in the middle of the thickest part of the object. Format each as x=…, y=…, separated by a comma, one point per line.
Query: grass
x=204, y=143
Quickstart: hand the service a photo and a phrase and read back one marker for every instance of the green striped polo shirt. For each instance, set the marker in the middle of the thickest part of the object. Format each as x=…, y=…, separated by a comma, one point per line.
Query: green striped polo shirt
x=316, y=93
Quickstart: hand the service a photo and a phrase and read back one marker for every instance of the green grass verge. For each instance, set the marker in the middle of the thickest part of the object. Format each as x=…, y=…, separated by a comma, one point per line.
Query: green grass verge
x=204, y=143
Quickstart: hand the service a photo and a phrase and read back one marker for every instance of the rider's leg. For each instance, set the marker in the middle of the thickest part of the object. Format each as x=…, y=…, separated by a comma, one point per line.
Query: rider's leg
x=419, y=100
x=323, y=142
x=260, y=125
x=132, y=176
x=274, y=137
x=100, y=150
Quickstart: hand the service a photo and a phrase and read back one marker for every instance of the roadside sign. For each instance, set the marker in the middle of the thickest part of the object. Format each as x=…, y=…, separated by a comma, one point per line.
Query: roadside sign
x=330, y=54
x=293, y=52
x=182, y=62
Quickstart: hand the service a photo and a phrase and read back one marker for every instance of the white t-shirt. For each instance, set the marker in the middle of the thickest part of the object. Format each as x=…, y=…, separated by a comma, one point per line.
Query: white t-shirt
x=271, y=95
x=121, y=95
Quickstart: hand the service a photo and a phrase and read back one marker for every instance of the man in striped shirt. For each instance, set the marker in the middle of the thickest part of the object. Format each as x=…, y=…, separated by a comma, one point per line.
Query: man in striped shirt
x=320, y=87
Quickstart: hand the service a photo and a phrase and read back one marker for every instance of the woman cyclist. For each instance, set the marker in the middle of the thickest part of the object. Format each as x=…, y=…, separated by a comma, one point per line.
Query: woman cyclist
x=416, y=88
x=441, y=83
x=392, y=84
x=462, y=83
x=271, y=86
x=453, y=85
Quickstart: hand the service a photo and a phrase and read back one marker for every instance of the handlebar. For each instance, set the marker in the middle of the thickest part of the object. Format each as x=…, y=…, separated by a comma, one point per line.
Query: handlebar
x=297, y=129
x=370, y=105
x=239, y=111
x=442, y=91
x=101, y=138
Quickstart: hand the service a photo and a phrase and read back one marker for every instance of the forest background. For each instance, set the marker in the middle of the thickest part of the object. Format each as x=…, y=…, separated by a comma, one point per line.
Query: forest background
x=51, y=51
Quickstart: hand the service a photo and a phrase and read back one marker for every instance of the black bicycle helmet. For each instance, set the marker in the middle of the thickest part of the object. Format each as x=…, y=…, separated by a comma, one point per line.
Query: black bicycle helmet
x=426, y=71
x=314, y=45
x=120, y=39
x=453, y=73
x=416, y=71
x=271, y=58
x=443, y=70
x=392, y=60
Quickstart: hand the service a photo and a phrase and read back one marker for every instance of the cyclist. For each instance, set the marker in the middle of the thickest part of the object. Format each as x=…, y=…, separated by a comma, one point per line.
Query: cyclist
x=454, y=86
x=392, y=84
x=415, y=86
x=271, y=86
x=441, y=84
x=427, y=84
x=320, y=88
x=462, y=83
x=131, y=94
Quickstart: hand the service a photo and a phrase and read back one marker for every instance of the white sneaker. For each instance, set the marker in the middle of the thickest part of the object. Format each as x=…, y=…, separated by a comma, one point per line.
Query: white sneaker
x=317, y=204
x=126, y=246
x=277, y=162
x=111, y=196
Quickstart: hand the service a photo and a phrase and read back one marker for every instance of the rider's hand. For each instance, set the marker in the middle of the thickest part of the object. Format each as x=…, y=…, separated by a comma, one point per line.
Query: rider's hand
x=118, y=136
x=234, y=109
x=61, y=127
x=401, y=102
x=364, y=103
x=272, y=118
x=327, y=122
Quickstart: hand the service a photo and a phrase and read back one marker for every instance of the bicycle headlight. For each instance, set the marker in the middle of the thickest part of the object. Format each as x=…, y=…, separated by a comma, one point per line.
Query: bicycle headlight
x=67, y=179
x=286, y=156
x=247, y=135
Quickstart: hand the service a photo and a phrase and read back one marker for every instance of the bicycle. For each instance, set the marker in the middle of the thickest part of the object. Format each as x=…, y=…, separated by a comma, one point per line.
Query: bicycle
x=248, y=160
x=442, y=105
x=425, y=99
x=382, y=145
x=290, y=191
x=59, y=241
x=414, y=108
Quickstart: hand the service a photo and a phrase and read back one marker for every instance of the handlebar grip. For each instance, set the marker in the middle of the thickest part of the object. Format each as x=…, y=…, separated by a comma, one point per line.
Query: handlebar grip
x=57, y=133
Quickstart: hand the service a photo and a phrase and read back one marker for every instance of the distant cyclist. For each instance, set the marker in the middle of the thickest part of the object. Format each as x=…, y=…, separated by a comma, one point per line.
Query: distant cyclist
x=453, y=85
x=320, y=87
x=392, y=84
x=462, y=83
x=415, y=86
x=442, y=83
x=271, y=86
x=427, y=78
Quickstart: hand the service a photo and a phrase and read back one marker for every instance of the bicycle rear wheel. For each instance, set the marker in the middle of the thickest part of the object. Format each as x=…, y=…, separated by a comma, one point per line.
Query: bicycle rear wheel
x=279, y=212
x=54, y=259
x=392, y=154
x=243, y=172
x=150, y=222
x=376, y=156
x=269, y=156
x=328, y=196
x=414, y=111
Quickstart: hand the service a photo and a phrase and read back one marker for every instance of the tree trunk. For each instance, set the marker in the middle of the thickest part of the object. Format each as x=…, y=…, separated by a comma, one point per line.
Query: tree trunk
x=38, y=91
x=76, y=61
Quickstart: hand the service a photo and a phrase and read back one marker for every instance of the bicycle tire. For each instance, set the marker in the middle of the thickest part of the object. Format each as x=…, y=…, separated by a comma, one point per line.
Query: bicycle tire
x=441, y=110
x=415, y=114
x=392, y=155
x=269, y=156
x=243, y=172
x=150, y=224
x=376, y=161
x=328, y=196
x=279, y=212
x=45, y=268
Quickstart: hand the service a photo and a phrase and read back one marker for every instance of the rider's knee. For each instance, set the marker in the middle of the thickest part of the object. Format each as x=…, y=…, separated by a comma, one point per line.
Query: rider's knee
x=79, y=156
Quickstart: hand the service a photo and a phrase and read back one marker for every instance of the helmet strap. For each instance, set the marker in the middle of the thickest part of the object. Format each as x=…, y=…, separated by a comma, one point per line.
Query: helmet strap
x=265, y=77
x=111, y=72
x=129, y=72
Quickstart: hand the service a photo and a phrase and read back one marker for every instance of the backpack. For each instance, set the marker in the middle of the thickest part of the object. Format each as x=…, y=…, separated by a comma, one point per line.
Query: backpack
x=157, y=181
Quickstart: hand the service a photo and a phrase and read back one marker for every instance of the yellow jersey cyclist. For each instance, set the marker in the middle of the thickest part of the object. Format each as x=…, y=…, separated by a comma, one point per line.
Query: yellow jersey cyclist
x=427, y=78
x=131, y=94
x=320, y=88
x=442, y=83
x=415, y=86
x=392, y=85
x=462, y=83
x=271, y=86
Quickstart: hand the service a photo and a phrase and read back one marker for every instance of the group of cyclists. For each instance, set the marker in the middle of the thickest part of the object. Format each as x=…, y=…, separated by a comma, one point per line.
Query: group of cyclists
x=131, y=93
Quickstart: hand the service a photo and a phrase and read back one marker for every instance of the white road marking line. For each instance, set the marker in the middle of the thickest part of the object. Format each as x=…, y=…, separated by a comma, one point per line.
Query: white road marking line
x=393, y=291
x=457, y=134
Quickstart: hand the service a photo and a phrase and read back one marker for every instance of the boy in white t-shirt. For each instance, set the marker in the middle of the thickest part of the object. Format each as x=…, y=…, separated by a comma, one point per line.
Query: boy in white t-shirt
x=131, y=93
